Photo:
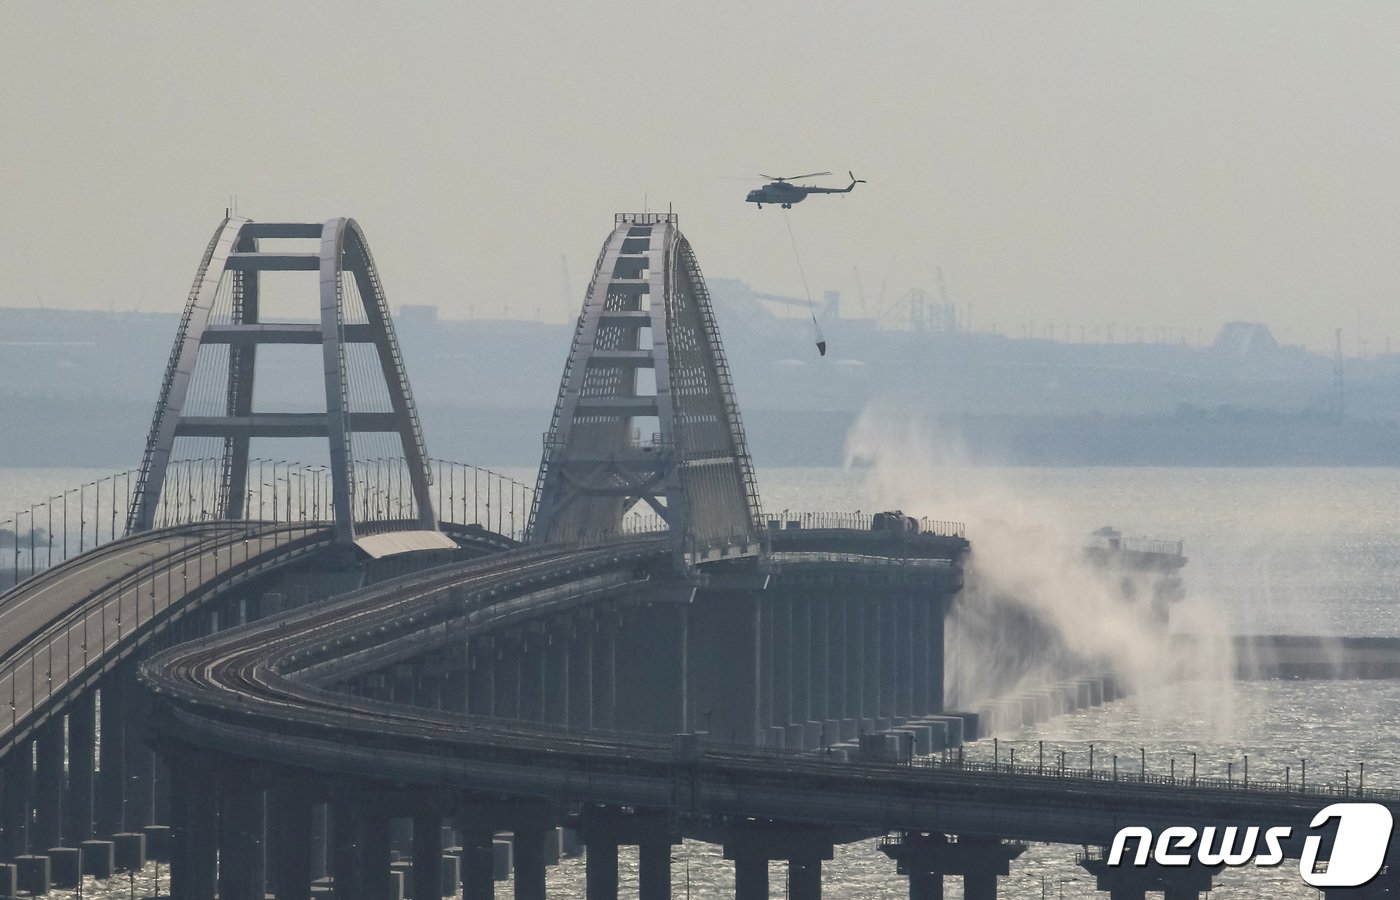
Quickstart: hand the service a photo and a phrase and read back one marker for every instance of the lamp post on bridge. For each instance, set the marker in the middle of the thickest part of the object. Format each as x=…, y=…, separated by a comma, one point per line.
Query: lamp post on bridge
x=65, y=520
x=31, y=539
x=48, y=564
x=1303, y=776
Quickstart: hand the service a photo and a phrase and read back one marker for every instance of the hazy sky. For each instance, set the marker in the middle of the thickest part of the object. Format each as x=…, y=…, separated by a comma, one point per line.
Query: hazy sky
x=1143, y=163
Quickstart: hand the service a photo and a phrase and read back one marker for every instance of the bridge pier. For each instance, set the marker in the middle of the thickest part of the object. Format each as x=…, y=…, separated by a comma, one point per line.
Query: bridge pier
x=48, y=784
x=82, y=741
x=800, y=666
x=194, y=829
x=556, y=674
x=752, y=845
x=927, y=857
x=604, y=682
x=110, y=805
x=242, y=837
x=506, y=684
x=18, y=784
x=1128, y=882
x=138, y=766
x=478, y=862
x=481, y=676
x=579, y=676
x=291, y=808
x=531, y=670
x=725, y=637
x=603, y=828
x=528, y=847
x=652, y=660
x=818, y=679
x=372, y=867
x=427, y=854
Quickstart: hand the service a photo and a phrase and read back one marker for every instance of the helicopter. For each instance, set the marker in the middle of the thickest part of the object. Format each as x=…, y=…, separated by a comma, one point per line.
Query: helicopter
x=783, y=191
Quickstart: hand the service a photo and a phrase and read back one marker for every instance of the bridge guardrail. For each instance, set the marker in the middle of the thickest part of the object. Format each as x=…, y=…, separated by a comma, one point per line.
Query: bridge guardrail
x=856, y=521
x=40, y=657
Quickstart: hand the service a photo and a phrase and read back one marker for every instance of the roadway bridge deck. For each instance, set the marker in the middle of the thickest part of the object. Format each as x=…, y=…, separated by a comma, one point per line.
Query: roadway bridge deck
x=272, y=695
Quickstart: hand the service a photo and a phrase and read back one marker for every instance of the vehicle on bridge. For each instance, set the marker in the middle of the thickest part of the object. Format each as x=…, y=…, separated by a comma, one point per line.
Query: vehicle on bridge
x=894, y=520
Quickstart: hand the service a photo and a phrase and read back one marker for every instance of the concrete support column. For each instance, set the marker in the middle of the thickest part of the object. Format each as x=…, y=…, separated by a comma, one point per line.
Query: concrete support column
x=242, y=820
x=938, y=609
x=818, y=656
x=604, y=656
x=291, y=862
x=782, y=660
x=82, y=744
x=344, y=823
x=927, y=858
x=373, y=866
x=751, y=878
x=902, y=607
x=529, y=862
x=481, y=677
x=477, y=858
x=374, y=857
x=509, y=653
x=753, y=844
x=556, y=688
x=48, y=784
x=139, y=760
x=600, y=867
x=805, y=879
x=454, y=685
x=652, y=660
x=427, y=855
x=919, y=656
x=580, y=677
x=836, y=660
x=855, y=614
x=111, y=777
x=879, y=680
x=533, y=657
x=925, y=886
x=193, y=831
x=765, y=666
x=1133, y=883
x=654, y=871
x=800, y=617
x=18, y=778
x=604, y=828
x=430, y=690
x=320, y=841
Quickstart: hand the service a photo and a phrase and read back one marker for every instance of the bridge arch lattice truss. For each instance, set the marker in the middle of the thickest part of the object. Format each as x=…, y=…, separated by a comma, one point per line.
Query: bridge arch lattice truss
x=614, y=441
x=222, y=318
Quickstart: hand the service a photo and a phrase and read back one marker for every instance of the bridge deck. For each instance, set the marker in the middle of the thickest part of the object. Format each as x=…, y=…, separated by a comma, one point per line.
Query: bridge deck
x=62, y=628
x=257, y=693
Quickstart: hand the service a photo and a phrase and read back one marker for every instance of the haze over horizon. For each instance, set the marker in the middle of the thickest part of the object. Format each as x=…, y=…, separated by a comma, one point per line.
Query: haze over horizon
x=1144, y=165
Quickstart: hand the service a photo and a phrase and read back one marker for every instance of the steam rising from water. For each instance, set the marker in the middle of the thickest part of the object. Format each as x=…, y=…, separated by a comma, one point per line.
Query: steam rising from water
x=1035, y=609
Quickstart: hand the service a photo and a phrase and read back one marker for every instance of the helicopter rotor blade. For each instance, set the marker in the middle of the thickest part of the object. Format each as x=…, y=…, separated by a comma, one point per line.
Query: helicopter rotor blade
x=792, y=177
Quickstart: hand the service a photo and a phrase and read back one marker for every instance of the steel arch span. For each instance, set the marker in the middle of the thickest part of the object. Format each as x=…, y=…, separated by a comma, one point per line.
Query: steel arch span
x=646, y=411
x=219, y=334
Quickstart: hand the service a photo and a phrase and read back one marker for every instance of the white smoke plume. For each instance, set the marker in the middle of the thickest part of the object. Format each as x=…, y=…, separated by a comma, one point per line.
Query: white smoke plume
x=1035, y=609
